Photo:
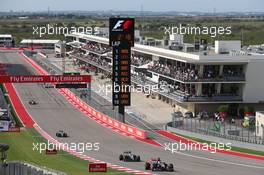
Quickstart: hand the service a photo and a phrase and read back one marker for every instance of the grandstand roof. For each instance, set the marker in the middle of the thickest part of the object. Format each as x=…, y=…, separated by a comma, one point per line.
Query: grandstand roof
x=37, y=41
x=5, y=36
x=177, y=55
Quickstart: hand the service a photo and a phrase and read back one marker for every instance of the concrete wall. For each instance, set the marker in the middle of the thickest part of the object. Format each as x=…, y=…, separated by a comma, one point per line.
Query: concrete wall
x=253, y=90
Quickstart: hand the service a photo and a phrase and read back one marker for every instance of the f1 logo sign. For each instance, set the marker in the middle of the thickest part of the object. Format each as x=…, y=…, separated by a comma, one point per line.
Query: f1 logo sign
x=118, y=24
x=122, y=25
x=121, y=31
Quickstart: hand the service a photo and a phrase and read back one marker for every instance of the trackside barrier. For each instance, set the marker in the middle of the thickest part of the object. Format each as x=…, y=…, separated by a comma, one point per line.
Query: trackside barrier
x=128, y=129
x=36, y=66
x=10, y=48
x=21, y=167
x=139, y=133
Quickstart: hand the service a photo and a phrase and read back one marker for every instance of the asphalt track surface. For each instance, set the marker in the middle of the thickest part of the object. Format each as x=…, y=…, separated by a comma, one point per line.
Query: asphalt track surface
x=100, y=103
x=54, y=112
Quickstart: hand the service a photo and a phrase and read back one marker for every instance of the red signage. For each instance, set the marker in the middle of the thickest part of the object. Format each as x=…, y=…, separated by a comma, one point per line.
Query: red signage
x=14, y=129
x=97, y=167
x=46, y=79
x=51, y=152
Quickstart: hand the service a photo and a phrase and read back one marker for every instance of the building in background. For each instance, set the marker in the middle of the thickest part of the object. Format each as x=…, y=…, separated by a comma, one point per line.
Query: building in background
x=222, y=47
x=260, y=124
x=176, y=39
x=38, y=44
x=60, y=49
x=194, y=81
x=6, y=40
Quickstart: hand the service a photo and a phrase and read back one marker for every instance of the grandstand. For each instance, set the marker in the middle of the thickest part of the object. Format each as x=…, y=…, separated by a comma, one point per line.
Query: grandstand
x=6, y=40
x=194, y=81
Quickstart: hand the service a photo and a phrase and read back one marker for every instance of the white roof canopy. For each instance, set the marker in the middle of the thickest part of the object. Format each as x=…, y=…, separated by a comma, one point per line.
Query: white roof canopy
x=37, y=41
x=5, y=36
x=177, y=55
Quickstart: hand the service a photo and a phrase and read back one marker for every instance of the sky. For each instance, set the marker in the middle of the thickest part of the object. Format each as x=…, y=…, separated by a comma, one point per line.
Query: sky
x=124, y=5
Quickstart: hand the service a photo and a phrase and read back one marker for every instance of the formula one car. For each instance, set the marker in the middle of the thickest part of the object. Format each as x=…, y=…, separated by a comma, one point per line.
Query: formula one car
x=157, y=165
x=61, y=133
x=32, y=102
x=127, y=156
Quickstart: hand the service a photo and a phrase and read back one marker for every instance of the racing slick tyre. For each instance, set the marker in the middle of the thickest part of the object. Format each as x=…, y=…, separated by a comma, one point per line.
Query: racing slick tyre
x=121, y=157
x=154, y=167
x=147, y=166
x=170, y=167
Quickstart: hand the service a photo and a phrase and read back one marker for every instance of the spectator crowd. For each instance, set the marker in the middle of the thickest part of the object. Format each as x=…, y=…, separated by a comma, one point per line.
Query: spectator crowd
x=177, y=72
x=101, y=49
x=138, y=60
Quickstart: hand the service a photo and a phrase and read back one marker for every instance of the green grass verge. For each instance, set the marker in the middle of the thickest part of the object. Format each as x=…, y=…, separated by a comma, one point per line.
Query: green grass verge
x=233, y=148
x=21, y=148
